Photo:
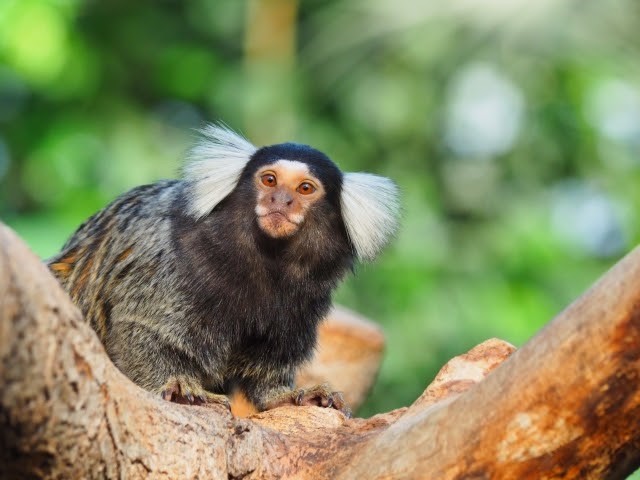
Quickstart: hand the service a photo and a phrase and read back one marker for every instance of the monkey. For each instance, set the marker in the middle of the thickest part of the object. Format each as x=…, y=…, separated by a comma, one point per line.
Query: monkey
x=217, y=281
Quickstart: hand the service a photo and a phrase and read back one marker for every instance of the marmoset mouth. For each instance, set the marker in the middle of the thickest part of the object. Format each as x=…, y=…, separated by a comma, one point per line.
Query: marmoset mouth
x=277, y=224
x=278, y=216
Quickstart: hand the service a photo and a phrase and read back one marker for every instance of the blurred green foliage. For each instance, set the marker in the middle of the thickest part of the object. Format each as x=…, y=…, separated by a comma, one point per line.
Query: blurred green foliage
x=512, y=128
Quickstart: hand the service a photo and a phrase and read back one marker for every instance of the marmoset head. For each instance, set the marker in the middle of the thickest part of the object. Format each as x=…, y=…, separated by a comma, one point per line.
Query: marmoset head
x=291, y=183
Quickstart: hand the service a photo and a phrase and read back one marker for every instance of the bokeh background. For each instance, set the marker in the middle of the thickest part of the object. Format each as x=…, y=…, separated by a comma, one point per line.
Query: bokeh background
x=512, y=128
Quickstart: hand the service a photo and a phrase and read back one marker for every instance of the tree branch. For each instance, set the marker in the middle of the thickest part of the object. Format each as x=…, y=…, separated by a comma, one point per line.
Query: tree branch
x=564, y=406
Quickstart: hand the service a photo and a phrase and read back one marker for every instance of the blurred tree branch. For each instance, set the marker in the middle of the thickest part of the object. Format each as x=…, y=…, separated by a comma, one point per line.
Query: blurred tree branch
x=270, y=54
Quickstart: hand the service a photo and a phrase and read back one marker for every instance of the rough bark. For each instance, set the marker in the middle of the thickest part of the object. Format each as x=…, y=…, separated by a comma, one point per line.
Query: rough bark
x=564, y=406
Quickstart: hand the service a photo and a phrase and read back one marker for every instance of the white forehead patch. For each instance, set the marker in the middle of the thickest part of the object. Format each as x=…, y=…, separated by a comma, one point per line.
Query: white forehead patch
x=293, y=166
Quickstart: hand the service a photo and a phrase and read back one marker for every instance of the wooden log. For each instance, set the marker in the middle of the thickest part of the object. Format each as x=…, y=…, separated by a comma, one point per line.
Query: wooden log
x=564, y=406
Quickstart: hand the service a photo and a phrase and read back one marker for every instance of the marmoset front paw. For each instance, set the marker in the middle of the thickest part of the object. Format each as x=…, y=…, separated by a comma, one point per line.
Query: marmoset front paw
x=317, y=396
x=189, y=391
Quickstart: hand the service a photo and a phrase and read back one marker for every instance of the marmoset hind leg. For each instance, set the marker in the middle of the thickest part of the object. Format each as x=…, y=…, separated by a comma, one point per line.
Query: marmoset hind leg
x=159, y=367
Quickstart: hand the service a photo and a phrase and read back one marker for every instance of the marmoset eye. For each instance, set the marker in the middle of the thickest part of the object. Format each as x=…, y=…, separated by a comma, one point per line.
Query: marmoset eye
x=269, y=180
x=306, y=188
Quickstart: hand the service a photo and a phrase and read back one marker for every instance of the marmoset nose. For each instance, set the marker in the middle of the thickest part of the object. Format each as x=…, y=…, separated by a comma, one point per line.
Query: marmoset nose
x=283, y=197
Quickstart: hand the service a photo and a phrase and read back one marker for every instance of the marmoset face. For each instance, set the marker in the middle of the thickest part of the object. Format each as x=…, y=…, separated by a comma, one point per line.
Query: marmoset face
x=286, y=191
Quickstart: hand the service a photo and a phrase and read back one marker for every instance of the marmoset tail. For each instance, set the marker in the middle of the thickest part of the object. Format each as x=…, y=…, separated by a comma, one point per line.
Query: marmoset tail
x=218, y=281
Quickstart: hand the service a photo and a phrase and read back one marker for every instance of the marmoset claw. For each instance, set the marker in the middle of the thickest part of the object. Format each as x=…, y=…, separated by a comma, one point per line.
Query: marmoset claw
x=322, y=396
x=187, y=391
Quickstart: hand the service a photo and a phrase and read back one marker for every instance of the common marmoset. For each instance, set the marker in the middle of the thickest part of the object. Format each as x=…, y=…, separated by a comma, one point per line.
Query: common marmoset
x=218, y=281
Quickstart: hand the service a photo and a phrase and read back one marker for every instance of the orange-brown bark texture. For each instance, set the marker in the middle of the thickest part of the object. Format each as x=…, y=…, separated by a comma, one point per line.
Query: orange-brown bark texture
x=564, y=406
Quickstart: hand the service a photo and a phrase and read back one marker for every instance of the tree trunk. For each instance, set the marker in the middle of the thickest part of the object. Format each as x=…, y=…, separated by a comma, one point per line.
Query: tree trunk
x=566, y=405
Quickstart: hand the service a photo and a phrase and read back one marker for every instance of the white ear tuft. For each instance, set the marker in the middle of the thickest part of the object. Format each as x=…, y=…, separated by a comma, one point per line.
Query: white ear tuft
x=214, y=166
x=370, y=210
